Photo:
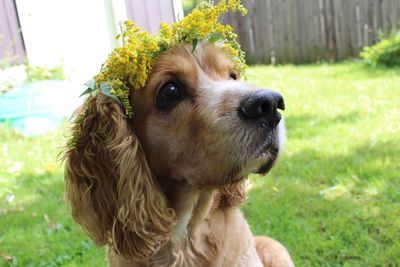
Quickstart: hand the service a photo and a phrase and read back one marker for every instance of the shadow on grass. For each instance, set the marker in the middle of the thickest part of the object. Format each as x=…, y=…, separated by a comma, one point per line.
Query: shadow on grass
x=313, y=124
x=366, y=163
x=37, y=229
x=341, y=209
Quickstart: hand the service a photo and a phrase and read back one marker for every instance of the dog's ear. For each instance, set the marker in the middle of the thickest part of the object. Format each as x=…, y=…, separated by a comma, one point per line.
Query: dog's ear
x=109, y=186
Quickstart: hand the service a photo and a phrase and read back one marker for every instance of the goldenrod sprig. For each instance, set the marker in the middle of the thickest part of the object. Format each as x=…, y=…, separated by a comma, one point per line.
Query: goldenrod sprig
x=128, y=66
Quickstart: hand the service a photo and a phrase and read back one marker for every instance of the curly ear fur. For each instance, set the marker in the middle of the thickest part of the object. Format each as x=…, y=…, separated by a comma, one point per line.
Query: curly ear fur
x=109, y=185
x=233, y=194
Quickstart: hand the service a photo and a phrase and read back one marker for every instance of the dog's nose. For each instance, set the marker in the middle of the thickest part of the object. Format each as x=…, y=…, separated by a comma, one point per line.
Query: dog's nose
x=263, y=106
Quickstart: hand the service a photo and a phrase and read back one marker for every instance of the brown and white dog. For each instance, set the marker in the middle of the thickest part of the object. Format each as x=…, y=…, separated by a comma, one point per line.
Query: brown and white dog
x=163, y=188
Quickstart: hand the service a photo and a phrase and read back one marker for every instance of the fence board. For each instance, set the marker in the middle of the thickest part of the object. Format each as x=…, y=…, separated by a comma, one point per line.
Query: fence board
x=302, y=31
x=12, y=48
x=295, y=33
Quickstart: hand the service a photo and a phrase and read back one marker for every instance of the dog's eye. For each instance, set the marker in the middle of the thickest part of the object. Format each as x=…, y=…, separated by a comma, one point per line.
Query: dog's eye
x=233, y=76
x=169, y=94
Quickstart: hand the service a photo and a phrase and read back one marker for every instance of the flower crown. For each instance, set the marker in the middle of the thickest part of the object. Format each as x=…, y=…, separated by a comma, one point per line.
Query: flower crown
x=128, y=66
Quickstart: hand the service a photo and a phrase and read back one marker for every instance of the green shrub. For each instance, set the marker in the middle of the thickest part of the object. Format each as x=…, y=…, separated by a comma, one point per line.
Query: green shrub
x=39, y=73
x=15, y=76
x=384, y=53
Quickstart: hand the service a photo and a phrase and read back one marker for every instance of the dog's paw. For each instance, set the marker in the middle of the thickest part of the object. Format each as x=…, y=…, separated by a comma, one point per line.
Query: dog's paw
x=272, y=253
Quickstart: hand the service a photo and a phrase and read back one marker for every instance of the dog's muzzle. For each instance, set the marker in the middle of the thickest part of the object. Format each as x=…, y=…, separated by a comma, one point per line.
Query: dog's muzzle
x=260, y=109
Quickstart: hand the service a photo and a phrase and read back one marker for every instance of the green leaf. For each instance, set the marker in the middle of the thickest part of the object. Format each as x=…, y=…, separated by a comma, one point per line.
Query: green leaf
x=194, y=44
x=86, y=92
x=215, y=37
x=91, y=83
x=105, y=89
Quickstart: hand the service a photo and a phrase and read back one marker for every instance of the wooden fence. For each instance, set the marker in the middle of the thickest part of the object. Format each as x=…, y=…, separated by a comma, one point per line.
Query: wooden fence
x=303, y=31
x=12, y=49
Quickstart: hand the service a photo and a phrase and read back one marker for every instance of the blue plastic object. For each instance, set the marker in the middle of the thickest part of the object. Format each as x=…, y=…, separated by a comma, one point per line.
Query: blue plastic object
x=39, y=107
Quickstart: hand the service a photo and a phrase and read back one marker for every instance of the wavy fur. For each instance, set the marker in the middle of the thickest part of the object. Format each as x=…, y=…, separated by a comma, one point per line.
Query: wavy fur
x=109, y=185
x=163, y=188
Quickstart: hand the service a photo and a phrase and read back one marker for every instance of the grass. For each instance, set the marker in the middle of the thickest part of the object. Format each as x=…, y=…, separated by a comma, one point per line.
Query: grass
x=333, y=199
x=35, y=227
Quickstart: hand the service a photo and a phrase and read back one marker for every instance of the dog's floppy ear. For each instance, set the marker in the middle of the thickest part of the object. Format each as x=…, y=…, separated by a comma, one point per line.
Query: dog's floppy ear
x=109, y=185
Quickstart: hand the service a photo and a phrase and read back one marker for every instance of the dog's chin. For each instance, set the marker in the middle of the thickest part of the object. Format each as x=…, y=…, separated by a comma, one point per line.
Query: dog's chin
x=267, y=166
x=261, y=162
x=265, y=162
x=267, y=154
x=272, y=151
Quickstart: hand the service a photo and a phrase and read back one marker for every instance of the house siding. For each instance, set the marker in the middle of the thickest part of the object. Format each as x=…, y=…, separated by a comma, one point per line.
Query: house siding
x=148, y=14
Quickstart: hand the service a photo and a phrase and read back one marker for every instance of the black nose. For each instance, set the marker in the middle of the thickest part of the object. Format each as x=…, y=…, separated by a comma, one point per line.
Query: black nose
x=262, y=106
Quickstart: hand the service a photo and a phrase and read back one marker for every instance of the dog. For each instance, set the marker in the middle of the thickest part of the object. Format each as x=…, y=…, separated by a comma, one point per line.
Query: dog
x=163, y=188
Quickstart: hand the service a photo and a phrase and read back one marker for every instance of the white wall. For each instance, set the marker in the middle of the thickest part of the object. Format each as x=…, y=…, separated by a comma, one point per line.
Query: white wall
x=76, y=33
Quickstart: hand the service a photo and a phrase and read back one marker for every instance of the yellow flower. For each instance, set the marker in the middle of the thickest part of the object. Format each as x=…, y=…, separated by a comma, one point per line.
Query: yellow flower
x=165, y=31
x=128, y=66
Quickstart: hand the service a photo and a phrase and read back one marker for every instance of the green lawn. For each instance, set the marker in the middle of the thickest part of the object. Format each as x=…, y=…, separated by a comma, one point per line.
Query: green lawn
x=333, y=199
